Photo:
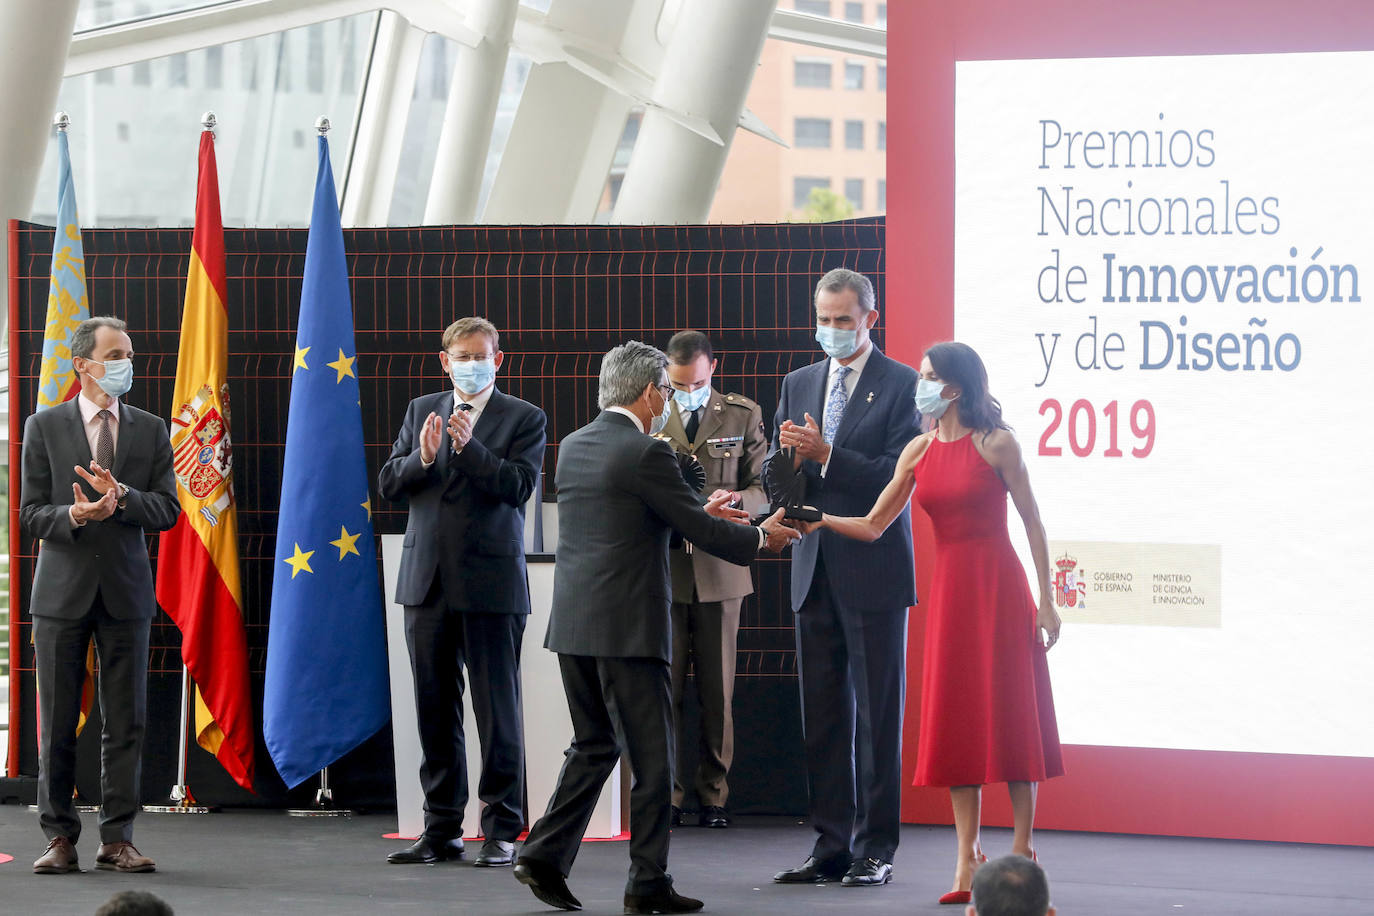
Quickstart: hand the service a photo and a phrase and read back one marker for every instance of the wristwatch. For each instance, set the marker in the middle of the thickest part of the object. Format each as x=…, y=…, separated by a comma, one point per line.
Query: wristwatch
x=123, y=495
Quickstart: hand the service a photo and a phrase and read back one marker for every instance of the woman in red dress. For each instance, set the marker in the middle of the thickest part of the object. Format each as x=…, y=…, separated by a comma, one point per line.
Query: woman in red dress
x=987, y=714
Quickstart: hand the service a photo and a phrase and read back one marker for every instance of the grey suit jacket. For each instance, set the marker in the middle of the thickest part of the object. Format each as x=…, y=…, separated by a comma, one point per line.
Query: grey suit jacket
x=619, y=494
x=109, y=555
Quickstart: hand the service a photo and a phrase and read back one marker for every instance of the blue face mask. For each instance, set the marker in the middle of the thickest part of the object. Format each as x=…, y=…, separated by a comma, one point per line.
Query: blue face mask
x=473, y=375
x=118, y=377
x=661, y=420
x=837, y=343
x=692, y=400
x=928, y=400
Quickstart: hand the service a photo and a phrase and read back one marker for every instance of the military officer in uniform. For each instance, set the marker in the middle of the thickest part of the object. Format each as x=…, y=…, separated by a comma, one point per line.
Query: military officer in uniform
x=725, y=432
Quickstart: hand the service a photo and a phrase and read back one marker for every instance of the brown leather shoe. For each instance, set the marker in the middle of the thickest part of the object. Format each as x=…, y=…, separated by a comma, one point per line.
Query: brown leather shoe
x=122, y=856
x=58, y=859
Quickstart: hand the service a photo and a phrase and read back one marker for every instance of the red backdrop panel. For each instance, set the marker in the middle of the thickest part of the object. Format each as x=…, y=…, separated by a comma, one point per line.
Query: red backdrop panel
x=1131, y=790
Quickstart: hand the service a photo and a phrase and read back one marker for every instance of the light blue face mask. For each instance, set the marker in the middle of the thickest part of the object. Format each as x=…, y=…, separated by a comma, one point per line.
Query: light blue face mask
x=692, y=400
x=473, y=375
x=928, y=400
x=837, y=343
x=661, y=420
x=118, y=377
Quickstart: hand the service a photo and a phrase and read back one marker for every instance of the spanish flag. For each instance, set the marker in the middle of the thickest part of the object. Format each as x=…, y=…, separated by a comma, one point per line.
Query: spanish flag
x=198, y=564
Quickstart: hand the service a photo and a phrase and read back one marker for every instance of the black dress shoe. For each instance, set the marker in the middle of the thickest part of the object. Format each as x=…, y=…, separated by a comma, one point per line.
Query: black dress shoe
x=714, y=816
x=546, y=882
x=675, y=820
x=867, y=872
x=494, y=854
x=427, y=851
x=814, y=871
x=668, y=901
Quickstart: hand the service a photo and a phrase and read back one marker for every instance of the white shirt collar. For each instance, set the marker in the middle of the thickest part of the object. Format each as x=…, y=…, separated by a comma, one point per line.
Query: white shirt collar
x=627, y=412
x=478, y=402
x=857, y=366
x=90, y=408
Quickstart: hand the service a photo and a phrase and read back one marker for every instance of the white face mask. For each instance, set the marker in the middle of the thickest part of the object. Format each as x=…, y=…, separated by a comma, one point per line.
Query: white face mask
x=661, y=420
x=928, y=400
x=118, y=377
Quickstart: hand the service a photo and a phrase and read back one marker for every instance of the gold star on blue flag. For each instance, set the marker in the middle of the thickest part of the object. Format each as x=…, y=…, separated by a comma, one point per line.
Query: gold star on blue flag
x=326, y=687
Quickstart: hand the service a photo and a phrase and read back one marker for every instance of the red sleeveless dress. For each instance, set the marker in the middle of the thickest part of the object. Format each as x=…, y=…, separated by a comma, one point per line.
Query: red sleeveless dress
x=987, y=714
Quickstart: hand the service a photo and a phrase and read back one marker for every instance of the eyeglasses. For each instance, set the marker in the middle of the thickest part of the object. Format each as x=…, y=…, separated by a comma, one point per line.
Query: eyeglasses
x=467, y=357
x=666, y=391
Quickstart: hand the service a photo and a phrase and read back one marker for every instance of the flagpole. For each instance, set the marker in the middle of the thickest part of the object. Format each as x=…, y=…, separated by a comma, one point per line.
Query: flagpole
x=181, y=800
x=323, y=806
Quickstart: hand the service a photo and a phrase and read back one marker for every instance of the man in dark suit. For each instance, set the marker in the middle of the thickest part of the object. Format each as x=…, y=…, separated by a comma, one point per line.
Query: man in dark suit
x=850, y=598
x=462, y=583
x=93, y=579
x=620, y=494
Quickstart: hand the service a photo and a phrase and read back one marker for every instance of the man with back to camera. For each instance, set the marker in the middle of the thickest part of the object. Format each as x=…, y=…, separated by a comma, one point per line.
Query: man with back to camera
x=847, y=419
x=94, y=579
x=463, y=585
x=725, y=433
x=1010, y=886
x=620, y=493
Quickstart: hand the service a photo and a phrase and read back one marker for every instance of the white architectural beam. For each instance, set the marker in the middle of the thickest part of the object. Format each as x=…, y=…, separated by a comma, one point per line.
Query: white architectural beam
x=237, y=20
x=371, y=176
x=831, y=34
x=709, y=65
x=473, y=96
x=34, y=35
x=560, y=149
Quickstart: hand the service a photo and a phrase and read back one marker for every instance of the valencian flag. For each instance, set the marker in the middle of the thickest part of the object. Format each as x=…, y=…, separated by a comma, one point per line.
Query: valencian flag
x=67, y=308
x=326, y=689
x=198, y=562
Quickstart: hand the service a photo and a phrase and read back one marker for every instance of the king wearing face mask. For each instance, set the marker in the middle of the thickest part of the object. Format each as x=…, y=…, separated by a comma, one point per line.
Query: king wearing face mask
x=466, y=462
x=846, y=420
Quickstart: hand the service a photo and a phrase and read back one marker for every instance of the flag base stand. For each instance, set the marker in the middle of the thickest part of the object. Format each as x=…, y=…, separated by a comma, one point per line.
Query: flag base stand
x=181, y=802
x=323, y=805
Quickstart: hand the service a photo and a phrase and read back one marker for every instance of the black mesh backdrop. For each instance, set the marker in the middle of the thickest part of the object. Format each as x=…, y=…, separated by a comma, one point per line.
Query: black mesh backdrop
x=561, y=297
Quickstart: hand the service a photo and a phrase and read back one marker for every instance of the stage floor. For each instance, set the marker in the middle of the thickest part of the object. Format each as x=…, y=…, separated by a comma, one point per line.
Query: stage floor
x=267, y=862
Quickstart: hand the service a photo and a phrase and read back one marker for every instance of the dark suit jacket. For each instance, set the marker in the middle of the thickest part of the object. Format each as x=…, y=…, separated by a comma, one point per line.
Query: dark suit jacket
x=109, y=555
x=467, y=511
x=619, y=494
x=879, y=420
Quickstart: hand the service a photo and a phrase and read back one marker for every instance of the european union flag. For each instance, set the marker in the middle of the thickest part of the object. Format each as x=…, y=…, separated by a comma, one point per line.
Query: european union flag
x=326, y=689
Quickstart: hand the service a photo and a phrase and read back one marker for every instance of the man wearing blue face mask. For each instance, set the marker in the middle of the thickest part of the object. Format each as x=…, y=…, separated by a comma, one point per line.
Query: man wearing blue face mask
x=846, y=420
x=466, y=461
x=97, y=478
x=725, y=432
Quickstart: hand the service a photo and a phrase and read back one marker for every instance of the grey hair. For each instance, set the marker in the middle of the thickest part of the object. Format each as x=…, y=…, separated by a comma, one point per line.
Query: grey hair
x=627, y=370
x=1010, y=886
x=83, y=338
x=841, y=279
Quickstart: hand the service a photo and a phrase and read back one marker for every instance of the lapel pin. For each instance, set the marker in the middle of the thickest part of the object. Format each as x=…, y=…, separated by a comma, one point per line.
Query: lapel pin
x=870, y=397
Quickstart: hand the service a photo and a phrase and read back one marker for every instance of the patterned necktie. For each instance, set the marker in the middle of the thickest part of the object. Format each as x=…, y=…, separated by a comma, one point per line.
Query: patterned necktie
x=104, y=441
x=693, y=424
x=834, y=404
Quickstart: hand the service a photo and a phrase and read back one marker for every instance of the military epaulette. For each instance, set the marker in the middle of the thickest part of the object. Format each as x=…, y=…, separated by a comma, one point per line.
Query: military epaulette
x=739, y=400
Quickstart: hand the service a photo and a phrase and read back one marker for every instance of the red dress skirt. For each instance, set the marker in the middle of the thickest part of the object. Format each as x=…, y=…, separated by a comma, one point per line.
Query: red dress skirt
x=987, y=714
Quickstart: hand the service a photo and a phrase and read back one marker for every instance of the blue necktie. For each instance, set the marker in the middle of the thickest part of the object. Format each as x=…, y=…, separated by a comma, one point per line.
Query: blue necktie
x=834, y=404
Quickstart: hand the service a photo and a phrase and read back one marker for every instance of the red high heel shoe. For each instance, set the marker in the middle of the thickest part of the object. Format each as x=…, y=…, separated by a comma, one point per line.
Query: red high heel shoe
x=963, y=896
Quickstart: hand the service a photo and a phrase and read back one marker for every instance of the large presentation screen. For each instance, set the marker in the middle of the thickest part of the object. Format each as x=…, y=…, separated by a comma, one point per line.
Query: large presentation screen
x=1165, y=264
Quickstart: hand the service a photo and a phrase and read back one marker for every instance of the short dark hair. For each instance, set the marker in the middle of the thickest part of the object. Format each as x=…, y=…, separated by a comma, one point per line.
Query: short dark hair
x=1010, y=886
x=135, y=903
x=83, y=338
x=686, y=346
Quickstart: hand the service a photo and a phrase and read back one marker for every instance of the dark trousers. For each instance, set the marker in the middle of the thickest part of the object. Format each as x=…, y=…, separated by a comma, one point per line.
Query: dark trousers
x=59, y=648
x=616, y=704
x=704, y=633
x=851, y=666
x=442, y=642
